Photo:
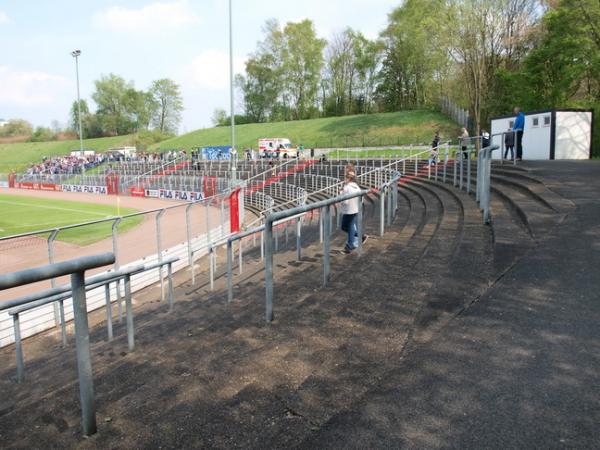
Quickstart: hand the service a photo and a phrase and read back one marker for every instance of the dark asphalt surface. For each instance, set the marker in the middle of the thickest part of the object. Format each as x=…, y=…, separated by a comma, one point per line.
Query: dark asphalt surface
x=520, y=368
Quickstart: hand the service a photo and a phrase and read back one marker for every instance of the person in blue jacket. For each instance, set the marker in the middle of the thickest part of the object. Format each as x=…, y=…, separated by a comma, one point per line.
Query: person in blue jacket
x=518, y=128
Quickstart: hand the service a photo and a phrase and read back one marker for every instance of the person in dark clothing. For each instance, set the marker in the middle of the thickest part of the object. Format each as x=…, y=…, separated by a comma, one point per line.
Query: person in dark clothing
x=509, y=143
x=519, y=128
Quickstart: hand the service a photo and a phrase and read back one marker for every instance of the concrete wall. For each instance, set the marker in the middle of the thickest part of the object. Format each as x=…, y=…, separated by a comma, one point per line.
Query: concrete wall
x=536, y=139
x=573, y=135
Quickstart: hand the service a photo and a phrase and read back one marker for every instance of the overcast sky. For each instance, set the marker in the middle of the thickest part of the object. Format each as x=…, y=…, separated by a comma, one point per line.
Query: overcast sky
x=143, y=41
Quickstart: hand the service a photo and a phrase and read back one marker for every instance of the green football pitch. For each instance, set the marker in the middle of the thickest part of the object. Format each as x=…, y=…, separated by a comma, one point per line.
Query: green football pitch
x=26, y=214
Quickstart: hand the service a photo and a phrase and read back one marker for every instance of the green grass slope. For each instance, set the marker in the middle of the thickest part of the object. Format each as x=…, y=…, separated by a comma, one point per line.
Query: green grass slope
x=405, y=127
x=18, y=156
x=25, y=214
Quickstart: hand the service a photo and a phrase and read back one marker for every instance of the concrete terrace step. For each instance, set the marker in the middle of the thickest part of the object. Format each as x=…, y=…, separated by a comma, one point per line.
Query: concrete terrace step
x=317, y=329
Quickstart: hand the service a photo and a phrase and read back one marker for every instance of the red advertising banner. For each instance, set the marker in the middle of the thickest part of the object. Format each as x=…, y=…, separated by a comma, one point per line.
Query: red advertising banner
x=210, y=186
x=11, y=180
x=137, y=192
x=37, y=186
x=112, y=184
x=234, y=211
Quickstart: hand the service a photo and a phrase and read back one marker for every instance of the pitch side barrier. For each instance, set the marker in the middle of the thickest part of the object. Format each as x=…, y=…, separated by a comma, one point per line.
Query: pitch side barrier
x=77, y=291
x=190, y=248
x=76, y=268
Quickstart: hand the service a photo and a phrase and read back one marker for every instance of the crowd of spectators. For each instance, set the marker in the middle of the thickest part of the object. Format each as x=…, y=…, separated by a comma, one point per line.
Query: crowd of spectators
x=68, y=165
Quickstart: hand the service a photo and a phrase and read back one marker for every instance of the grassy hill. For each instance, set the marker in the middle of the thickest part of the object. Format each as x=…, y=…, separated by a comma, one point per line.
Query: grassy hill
x=406, y=127
x=17, y=156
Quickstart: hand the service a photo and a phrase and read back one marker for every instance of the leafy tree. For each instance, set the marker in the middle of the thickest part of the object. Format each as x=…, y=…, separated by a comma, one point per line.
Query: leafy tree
x=167, y=105
x=121, y=108
x=16, y=127
x=74, y=116
x=302, y=61
x=220, y=118
x=42, y=134
x=416, y=58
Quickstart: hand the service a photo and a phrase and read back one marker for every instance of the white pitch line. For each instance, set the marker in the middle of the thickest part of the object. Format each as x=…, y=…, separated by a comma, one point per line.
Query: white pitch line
x=56, y=208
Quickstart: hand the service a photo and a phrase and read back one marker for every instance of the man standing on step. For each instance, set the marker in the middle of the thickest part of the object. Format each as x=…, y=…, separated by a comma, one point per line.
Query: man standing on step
x=349, y=210
x=518, y=128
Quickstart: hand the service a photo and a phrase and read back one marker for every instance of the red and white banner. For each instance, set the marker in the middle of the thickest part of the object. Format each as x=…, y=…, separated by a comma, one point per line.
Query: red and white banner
x=168, y=194
x=137, y=192
x=98, y=190
x=38, y=186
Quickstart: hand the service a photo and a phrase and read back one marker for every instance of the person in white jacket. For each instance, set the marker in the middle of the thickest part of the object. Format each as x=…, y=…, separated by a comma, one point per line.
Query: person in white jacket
x=349, y=210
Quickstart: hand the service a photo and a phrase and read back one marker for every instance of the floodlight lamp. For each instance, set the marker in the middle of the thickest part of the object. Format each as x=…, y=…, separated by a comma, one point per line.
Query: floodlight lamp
x=76, y=53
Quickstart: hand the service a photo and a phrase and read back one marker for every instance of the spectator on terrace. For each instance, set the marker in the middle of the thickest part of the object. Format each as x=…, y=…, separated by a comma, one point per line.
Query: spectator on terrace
x=509, y=143
x=349, y=210
x=435, y=149
x=463, y=141
x=519, y=128
x=485, y=139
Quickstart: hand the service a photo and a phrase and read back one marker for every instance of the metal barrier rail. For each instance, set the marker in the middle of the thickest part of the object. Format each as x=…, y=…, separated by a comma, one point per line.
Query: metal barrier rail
x=52, y=234
x=76, y=269
x=484, y=178
x=91, y=283
x=271, y=218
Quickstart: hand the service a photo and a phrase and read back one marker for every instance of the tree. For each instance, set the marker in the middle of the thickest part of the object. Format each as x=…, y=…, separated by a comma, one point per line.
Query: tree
x=302, y=61
x=168, y=105
x=340, y=70
x=219, y=118
x=415, y=55
x=121, y=108
x=42, y=134
x=485, y=36
x=74, y=115
x=16, y=127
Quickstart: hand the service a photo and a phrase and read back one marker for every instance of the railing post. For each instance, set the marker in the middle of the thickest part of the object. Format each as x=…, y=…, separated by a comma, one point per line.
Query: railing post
x=268, y=270
x=171, y=295
x=211, y=263
x=229, y=270
x=326, y=242
x=109, y=326
x=469, y=174
x=84, y=361
x=129, y=313
x=455, y=181
x=51, y=239
x=188, y=227
x=115, y=244
x=63, y=323
x=462, y=161
x=298, y=238
x=320, y=227
x=159, y=253
x=359, y=225
x=479, y=186
x=390, y=197
x=18, y=348
x=381, y=211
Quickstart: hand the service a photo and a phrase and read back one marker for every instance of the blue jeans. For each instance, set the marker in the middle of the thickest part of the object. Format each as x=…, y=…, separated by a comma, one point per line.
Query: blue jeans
x=349, y=225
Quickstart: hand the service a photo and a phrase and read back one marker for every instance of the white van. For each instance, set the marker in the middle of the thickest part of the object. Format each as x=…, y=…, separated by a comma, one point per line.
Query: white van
x=276, y=148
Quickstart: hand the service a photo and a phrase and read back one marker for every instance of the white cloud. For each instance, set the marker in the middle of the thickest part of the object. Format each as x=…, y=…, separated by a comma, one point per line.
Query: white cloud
x=30, y=88
x=3, y=18
x=156, y=17
x=210, y=70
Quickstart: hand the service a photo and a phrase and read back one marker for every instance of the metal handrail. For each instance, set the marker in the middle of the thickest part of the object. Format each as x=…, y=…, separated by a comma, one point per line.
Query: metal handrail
x=76, y=268
x=271, y=218
x=79, y=285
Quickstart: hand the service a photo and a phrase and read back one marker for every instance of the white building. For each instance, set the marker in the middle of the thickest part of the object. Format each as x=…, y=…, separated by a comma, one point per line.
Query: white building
x=551, y=134
x=3, y=123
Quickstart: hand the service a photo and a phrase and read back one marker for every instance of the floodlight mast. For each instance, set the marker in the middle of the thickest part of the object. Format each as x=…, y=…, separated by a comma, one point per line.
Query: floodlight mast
x=75, y=54
x=233, y=155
